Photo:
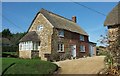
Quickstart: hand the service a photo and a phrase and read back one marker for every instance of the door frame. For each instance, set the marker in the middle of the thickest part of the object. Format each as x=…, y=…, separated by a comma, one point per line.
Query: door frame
x=73, y=50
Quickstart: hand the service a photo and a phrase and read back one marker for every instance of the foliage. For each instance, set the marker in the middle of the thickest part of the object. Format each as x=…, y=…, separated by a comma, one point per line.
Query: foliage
x=6, y=33
x=66, y=55
x=10, y=54
x=113, y=48
x=56, y=56
x=103, y=40
x=28, y=66
x=9, y=48
x=14, y=39
x=102, y=52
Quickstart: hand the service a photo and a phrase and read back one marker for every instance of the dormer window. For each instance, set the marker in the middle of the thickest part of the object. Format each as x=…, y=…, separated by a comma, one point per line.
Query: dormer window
x=39, y=27
x=61, y=33
x=81, y=37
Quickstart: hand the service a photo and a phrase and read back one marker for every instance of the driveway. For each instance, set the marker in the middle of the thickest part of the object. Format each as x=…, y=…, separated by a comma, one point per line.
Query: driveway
x=89, y=65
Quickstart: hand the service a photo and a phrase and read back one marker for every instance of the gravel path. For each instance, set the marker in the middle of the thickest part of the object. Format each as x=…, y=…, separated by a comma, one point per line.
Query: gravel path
x=89, y=65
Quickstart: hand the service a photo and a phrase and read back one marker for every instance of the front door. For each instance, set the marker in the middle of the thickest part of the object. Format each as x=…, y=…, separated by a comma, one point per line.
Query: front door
x=73, y=50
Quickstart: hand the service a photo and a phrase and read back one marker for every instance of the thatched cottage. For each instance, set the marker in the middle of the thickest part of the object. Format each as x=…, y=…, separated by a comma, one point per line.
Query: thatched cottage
x=51, y=34
x=113, y=23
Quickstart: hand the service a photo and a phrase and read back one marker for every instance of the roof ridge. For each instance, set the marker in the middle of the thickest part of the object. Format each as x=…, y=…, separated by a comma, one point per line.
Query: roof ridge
x=56, y=14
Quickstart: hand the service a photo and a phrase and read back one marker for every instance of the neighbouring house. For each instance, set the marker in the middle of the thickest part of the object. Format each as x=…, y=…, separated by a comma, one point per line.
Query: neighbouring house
x=113, y=23
x=49, y=33
x=92, y=49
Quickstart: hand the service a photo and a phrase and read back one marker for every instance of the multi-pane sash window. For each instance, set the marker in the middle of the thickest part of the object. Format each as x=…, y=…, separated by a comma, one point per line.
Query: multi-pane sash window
x=82, y=48
x=61, y=33
x=29, y=45
x=60, y=47
x=81, y=37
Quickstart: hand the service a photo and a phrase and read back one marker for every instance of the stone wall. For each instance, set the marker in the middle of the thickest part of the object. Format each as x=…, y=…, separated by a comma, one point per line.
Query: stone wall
x=25, y=54
x=44, y=34
x=112, y=33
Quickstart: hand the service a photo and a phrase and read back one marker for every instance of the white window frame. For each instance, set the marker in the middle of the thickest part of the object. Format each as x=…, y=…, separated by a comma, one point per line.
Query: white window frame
x=28, y=45
x=60, y=47
x=39, y=27
x=82, y=48
x=61, y=33
x=82, y=38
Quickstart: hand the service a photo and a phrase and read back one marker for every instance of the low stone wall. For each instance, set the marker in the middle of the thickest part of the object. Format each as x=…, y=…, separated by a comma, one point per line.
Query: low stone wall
x=25, y=54
x=35, y=53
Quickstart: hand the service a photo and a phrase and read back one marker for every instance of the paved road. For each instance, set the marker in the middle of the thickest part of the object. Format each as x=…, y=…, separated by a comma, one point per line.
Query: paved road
x=89, y=65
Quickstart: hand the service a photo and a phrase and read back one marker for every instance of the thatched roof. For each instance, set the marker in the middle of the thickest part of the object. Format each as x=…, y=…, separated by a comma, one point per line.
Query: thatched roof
x=30, y=36
x=113, y=18
x=61, y=23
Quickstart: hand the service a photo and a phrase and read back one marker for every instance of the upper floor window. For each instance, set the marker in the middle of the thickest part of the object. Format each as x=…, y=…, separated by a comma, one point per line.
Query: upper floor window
x=82, y=48
x=60, y=47
x=61, y=33
x=81, y=37
x=39, y=27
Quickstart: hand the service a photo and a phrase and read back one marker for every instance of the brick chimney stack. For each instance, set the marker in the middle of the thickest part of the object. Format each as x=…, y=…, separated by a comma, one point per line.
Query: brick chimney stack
x=74, y=19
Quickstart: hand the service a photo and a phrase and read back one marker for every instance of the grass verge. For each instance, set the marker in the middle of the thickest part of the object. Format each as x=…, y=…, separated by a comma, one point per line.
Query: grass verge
x=27, y=66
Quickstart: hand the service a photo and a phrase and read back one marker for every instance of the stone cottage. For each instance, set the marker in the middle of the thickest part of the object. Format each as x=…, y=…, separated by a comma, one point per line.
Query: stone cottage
x=50, y=33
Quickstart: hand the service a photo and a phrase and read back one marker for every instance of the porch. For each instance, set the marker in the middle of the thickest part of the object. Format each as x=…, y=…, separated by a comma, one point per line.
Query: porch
x=29, y=45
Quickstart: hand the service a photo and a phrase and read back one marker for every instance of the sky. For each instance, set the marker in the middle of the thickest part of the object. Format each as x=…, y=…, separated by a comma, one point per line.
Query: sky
x=17, y=16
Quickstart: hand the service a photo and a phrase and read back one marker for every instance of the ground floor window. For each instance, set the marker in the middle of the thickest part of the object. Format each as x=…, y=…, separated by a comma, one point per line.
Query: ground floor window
x=82, y=48
x=60, y=47
x=29, y=45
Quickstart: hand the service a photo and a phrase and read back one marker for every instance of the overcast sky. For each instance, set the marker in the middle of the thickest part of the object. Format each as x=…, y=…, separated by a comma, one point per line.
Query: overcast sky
x=18, y=16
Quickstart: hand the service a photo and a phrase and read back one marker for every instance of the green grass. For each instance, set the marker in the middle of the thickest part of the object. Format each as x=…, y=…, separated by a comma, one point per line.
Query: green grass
x=27, y=66
x=12, y=53
x=9, y=54
x=6, y=62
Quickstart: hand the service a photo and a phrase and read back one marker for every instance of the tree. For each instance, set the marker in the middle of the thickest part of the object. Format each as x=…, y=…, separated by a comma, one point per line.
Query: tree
x=14, y=38
x=6, y=33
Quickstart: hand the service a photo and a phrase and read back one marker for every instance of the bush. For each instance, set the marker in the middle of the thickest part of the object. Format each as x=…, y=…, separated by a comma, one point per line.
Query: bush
x=10, y=54
x=56, y=56
x=9, y=48
x=103, y=52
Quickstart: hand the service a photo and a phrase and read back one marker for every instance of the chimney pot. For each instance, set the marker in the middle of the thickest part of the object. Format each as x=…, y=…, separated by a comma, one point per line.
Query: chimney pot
x=74, y=19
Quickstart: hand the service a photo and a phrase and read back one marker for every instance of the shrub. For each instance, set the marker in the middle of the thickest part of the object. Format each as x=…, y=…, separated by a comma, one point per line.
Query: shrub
x=9, y=48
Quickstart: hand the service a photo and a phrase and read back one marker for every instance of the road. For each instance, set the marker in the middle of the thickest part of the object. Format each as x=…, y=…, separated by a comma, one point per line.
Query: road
x=89, y=65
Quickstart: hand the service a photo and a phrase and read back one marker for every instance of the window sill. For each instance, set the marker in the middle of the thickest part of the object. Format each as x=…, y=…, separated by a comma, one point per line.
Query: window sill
x=60, y=51
x=82, y=51
x=61, y=36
